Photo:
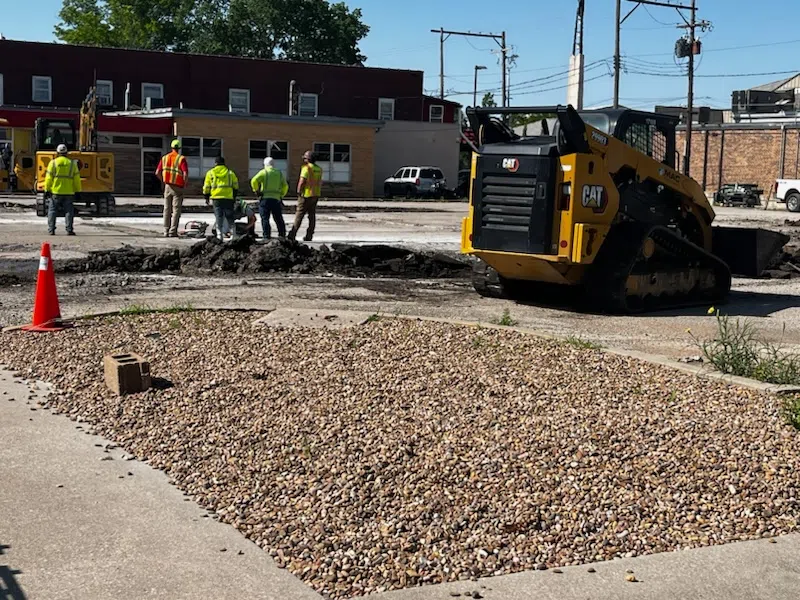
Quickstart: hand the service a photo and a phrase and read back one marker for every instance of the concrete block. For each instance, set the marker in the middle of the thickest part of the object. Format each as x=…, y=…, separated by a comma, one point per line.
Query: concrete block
x=126, y=373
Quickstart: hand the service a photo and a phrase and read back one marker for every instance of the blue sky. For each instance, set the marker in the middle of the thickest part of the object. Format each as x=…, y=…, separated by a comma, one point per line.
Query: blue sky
x=759, y=38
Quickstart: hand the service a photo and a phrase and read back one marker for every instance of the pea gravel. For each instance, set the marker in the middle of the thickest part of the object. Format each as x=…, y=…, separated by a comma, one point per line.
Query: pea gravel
x=403, y=453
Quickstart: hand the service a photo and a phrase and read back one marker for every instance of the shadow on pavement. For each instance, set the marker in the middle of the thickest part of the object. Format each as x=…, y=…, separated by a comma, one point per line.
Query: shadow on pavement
x=9, y=588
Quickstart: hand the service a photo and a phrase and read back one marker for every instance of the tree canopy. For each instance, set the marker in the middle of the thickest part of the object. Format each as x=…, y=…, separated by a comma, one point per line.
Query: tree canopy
x=488, y=100
x=304, y=30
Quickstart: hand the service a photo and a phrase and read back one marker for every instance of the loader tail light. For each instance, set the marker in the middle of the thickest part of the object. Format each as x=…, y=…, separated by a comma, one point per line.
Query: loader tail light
x=417, y=181
x=566, y=196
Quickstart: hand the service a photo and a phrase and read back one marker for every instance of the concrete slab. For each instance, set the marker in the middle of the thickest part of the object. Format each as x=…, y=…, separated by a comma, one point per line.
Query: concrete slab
x=78, y=522
x=757, y=570
x=315, y=318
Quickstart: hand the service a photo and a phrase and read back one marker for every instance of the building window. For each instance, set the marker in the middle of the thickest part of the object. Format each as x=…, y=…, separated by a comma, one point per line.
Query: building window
x=334, y=160
x=42, y=89
x=200, y=154
x=239, y=100
x=436, y=113
x=260, y=149
x=308, y=105
x=386, y=109
x=154, y=91
x=105, y=92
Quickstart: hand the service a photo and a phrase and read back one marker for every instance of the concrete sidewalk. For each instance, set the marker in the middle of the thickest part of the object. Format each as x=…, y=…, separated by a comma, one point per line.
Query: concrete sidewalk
x=74, y=524
x=757, y=570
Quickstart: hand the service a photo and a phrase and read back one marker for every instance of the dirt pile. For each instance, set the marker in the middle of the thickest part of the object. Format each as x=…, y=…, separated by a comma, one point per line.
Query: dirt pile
x=786, y=265
x=276, y=256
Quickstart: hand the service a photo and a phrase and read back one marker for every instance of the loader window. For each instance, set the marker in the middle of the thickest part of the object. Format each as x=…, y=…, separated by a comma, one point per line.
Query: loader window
x=647, y=140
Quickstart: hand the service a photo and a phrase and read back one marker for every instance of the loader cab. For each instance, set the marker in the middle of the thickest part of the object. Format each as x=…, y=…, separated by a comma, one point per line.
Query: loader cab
x=652, y=134
x=50, y=133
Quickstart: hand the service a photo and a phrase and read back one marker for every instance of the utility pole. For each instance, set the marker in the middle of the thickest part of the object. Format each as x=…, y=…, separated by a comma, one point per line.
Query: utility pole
x=504, y=61
x=576, y=62
x=687, y=156
x=684, y=49
x=617, y=58
x=444, y=34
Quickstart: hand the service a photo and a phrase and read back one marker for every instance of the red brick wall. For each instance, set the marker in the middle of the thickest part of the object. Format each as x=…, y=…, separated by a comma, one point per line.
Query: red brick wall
x=750, y=156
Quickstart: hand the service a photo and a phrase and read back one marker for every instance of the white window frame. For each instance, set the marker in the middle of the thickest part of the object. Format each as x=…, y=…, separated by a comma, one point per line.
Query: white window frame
x=111, y=92
x=327, y=166
x=201, y=170
x=284, y=168
x=380, y=111
x=49, y=81
x=300, y=102
x=1, y=89
x=160, y=86
x=231, y=92
x=430, y=113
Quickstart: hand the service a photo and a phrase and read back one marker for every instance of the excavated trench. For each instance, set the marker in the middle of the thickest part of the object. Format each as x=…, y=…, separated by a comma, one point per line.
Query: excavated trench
x=276, y=256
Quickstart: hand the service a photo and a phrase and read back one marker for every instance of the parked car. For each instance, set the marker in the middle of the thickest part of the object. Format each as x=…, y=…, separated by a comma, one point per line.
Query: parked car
x=788, y=191
x=416, y=182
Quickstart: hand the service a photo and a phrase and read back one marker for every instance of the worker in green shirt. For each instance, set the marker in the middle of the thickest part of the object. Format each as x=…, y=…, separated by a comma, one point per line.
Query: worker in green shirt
x=270, y=186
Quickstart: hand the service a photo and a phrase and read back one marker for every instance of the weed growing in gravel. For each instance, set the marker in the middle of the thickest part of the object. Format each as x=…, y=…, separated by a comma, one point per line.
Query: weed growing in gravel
x=791, y=410
x=478, y=341
x=136, y=309
x=737, y=350
x=579, y=342
x=174, y=324
x=507, y=320
x=373, y=317
x=177, y=308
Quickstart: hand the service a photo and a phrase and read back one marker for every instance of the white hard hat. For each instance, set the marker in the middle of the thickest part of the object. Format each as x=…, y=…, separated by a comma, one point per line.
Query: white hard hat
x=268, y=161
x=61, y=149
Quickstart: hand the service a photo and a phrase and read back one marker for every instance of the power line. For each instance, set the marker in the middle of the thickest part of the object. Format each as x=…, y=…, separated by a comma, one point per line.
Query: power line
x=718, y=75
x=733, y=48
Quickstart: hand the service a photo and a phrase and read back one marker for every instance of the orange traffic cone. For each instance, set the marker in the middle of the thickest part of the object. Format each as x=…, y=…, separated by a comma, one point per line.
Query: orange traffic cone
x=46, y=312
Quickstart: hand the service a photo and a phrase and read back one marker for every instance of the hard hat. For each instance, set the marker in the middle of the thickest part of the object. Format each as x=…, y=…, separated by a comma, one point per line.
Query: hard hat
x=176, y=144
x=268, y=161
x=61, y=149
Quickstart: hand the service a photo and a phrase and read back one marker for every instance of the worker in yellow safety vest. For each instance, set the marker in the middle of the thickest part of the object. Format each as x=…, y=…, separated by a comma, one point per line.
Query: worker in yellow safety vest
x=270, y=186
x=309, y=188
x=221, y=185
x=62, y=185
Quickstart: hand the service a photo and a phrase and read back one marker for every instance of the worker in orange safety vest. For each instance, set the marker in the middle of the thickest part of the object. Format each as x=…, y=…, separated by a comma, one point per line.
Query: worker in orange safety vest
x=174, y=172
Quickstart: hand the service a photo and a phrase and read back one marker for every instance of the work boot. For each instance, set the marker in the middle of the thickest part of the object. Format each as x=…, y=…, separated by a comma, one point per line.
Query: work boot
x=70, y=233
x=166, y=233
x=51, y=233
x=307, y=238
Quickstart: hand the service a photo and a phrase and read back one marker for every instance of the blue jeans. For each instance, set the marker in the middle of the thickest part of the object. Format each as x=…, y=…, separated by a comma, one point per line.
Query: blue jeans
x=223, y=211
x=58, y=203
x=271, y=207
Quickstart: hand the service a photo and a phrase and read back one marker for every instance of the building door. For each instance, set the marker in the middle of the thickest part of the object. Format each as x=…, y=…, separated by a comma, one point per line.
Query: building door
x=152, y=151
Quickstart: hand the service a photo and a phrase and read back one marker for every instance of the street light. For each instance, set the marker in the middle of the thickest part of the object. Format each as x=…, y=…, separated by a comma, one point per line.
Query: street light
x=475, y=86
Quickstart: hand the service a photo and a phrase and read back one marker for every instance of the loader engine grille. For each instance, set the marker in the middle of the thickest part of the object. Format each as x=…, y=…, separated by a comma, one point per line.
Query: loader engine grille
x=513, y=203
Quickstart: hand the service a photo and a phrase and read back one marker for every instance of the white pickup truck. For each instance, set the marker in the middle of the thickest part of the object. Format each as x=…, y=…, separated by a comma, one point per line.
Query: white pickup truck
x=788, y=190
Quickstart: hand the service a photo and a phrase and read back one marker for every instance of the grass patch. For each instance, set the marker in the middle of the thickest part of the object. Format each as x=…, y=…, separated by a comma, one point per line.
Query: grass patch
x=791, y=410
x=507, y=320
x=176, y=308
x=373, y=317
x=579, y=342
x=136, y=309
x=737, y=349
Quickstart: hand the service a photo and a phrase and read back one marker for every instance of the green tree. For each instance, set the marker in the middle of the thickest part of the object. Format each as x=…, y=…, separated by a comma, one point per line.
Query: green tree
x=488, y=100
x=306, y=30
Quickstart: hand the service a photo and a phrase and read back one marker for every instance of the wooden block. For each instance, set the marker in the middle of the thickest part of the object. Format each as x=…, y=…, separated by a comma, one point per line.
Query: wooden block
x=126, y=373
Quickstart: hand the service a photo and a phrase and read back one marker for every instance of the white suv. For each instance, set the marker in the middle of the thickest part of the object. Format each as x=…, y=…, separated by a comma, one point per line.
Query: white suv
x=415, y=182
x=788, y=190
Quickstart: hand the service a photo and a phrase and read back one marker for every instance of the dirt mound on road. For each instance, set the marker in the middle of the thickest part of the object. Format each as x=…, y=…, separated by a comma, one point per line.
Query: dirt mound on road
x=276, y=256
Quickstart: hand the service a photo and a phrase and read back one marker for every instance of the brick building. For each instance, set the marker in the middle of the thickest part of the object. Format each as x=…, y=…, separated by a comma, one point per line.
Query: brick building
x=244, y=108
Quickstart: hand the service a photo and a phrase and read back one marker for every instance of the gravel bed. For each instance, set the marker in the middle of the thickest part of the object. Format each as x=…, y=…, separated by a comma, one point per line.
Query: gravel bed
x=404, y=453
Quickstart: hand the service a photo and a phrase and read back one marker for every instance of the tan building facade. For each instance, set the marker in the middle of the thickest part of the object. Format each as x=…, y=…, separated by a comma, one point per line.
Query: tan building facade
x=345, y=147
